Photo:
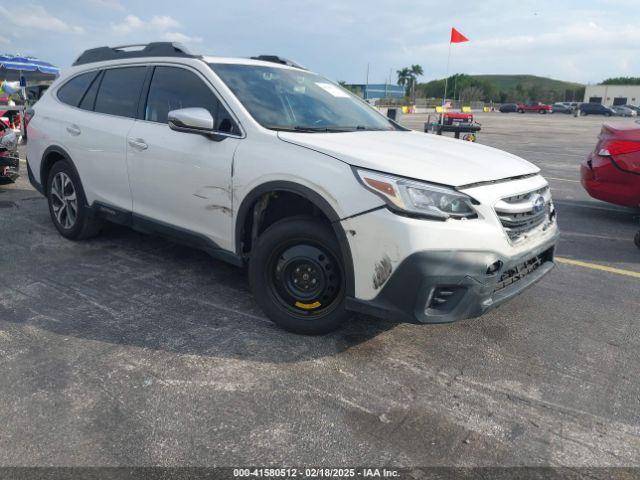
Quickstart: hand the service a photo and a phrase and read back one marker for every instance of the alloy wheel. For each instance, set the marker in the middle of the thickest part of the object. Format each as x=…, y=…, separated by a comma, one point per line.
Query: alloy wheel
x=64, y=200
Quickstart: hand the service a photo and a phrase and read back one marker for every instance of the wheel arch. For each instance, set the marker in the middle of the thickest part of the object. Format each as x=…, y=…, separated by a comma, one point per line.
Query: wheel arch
x=50, y=156
x=249, y=202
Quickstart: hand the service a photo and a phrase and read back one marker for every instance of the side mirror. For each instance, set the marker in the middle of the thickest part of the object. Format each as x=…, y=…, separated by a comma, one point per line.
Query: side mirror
x=191, y=120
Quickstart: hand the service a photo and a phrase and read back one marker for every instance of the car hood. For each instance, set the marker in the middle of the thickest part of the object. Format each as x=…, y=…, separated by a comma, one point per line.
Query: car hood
x=428, y=157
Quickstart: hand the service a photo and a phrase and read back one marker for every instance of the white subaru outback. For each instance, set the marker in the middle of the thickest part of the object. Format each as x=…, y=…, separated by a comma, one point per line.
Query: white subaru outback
x=334, y=208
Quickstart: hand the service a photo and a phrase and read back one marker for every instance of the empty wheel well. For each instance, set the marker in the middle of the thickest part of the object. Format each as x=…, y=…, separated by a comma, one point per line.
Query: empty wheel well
x=271, y=207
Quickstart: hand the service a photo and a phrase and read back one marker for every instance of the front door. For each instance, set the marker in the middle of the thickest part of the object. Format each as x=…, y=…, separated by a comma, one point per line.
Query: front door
x=182, y=179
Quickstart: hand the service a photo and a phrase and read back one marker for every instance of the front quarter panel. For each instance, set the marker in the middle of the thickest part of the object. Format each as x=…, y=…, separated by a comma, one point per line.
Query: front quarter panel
x=267, y=159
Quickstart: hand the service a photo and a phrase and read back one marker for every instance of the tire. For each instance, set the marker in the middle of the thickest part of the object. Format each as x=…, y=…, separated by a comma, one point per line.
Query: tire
x=520, y=111
x=296, y=274
x=637, y=239
x=542, y=112
x=68, y=204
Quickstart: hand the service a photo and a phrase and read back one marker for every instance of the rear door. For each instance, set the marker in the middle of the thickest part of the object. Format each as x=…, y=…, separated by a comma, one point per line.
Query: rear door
x=106, y=114
x=183, y=179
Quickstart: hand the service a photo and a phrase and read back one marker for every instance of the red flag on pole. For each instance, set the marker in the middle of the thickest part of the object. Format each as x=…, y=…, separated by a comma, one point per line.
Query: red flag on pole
x=457, y=37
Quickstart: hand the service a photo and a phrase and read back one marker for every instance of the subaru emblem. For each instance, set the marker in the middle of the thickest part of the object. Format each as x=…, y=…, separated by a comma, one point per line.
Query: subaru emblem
x=538, y=203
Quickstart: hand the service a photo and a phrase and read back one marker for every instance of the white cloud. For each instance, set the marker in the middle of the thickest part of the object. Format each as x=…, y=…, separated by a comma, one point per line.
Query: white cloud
x=162, y=26
x=181, y=38
x=132, y=23
x=164, y=22
x=37, y=17
x=129, y=24
x=110, y=4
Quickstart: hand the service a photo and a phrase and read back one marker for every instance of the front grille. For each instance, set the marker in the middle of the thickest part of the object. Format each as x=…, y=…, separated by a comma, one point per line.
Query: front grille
x=523, y=213
x=519, y=271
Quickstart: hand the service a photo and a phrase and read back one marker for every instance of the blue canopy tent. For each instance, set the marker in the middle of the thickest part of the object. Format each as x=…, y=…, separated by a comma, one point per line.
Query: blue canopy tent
x=12, y=67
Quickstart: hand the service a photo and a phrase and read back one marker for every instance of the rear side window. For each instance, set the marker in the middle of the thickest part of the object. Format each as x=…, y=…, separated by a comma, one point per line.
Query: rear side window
x=120, y=90
x=71, y=92
x=89, y=98
x=174, y=88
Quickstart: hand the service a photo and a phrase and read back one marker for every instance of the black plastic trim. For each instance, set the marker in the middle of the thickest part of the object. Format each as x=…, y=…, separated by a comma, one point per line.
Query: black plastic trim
x=32, y=179
x=154, y=49
x=313, y=197
x=144, y=94
x=405, y=296
x=61, y=151
x=179, y=235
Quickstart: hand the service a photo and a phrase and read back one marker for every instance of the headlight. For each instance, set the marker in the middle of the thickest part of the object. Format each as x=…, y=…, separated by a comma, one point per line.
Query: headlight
x=418, y=198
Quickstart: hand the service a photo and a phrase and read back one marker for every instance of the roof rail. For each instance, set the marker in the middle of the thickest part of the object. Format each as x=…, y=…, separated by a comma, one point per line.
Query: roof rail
x=277, y=59
x=154, y=49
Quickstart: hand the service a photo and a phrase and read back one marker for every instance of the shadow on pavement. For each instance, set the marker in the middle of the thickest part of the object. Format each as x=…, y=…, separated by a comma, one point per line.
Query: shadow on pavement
x=126, y=288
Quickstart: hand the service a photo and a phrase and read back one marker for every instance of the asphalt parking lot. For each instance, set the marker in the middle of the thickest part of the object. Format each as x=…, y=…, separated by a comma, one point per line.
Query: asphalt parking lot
x=131, y=350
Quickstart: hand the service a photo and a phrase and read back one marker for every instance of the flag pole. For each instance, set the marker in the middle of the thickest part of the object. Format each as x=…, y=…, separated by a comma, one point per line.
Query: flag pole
x=446, y=81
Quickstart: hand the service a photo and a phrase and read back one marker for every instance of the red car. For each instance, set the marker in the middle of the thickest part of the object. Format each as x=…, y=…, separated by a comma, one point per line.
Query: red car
x=534, y=107
x=612, y=171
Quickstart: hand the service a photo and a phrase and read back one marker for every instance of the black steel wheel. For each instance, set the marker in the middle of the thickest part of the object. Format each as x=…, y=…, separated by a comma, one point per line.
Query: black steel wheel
x=297, y=276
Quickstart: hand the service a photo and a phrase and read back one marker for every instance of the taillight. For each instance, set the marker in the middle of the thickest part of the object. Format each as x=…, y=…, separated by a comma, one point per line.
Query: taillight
x=611, y=148
x=28, y=115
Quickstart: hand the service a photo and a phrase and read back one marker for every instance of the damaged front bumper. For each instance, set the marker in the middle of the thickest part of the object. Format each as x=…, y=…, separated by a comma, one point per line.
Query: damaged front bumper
x=9, y=165
x=445, y=286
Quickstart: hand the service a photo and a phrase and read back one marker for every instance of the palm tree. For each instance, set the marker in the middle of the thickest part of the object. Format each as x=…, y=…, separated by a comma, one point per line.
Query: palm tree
x=404, y=77
x=416, y=71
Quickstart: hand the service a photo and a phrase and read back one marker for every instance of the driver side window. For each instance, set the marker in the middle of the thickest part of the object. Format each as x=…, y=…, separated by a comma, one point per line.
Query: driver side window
x=173, y=88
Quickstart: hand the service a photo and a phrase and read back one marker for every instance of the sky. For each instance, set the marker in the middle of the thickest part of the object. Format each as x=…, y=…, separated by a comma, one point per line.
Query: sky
x=584, y=41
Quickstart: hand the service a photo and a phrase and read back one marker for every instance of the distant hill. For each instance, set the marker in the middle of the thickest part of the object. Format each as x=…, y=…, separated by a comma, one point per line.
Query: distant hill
x=505, y=88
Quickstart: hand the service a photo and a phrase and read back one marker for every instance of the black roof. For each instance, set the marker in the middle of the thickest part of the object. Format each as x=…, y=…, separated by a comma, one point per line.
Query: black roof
x=155, y=49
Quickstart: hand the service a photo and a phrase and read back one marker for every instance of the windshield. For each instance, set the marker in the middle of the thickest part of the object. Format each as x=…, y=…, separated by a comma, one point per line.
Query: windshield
x=286, y=99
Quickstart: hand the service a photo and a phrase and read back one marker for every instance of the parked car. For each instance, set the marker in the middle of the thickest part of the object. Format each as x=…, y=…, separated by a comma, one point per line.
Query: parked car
x=612, y=171
x=9, y=161
x=534, y=107
x=634, y=108
x=561, y=108
x=595, y=109
x=508, y=108
x=334, y=208
x=623, y=111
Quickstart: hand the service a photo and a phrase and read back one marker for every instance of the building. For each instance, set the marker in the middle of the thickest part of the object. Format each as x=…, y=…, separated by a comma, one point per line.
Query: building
x=374, y=91
x=613, y=94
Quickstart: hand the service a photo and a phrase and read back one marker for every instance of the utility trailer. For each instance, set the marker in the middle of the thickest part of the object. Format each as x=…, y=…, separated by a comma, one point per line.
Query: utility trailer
x=456, y=123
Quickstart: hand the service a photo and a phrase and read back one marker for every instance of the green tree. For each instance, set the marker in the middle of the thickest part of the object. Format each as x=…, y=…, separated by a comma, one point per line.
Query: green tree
x=404, y=77
x=416, y=71
x=622, y=81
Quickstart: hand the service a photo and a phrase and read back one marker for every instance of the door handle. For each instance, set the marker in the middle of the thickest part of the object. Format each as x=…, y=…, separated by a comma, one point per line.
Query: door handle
x=137, y=143
x=73, y=130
